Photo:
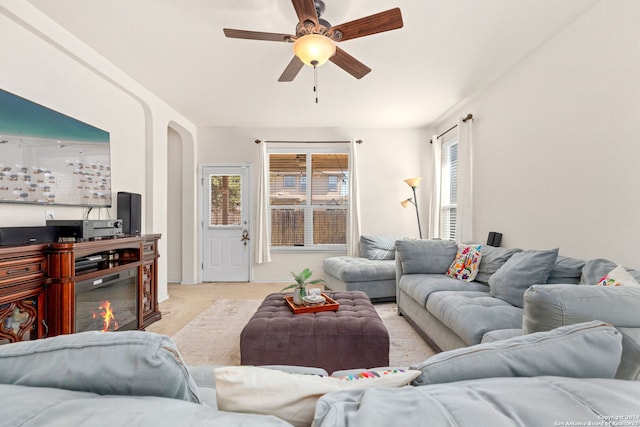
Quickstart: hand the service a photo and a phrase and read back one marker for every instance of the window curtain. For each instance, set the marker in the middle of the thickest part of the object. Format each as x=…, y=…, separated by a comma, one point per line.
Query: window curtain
x=434, y=200
x=353, y=224
x=464, y=219
x=263, y=241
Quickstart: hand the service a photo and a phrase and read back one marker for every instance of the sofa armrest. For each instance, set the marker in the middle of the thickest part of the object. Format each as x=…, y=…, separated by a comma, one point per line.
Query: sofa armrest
x=549, y=306
x=588, y=350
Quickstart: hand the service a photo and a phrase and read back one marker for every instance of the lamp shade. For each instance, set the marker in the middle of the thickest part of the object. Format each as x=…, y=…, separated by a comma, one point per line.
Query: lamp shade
x=413, y=182
x=314, y=49
x=406, y=203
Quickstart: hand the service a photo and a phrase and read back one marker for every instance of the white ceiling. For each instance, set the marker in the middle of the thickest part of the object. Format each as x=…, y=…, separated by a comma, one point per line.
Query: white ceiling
x=447, y=51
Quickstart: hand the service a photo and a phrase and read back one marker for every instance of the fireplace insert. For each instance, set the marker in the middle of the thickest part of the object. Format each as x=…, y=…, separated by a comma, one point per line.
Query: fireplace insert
x=108, y=303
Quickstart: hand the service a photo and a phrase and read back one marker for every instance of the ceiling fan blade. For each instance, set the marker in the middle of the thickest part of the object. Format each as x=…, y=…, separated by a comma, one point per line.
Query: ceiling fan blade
x=256, y=35
x=292, y=70
x=378, y=23
x=306, y=11
x=350, y=64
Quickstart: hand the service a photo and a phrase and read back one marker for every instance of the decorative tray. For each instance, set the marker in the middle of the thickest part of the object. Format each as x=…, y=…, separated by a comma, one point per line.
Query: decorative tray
x=330, y=305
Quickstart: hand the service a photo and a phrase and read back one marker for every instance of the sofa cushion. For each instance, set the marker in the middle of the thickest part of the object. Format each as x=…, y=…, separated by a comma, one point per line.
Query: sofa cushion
x=630, y=363
x=350, y=269
x=549, y=306
x=567, y=270
x=291, y=397
x=585, y=350
x=378, y=247
x=55, y=407
x=465, y=265
x=520, y=271
x=116, y=363
x=420, y=286
x=595, y=269
x=470, y=314
x=492, y=259
x=500, y=334
x=426, y=256
x=495, y=402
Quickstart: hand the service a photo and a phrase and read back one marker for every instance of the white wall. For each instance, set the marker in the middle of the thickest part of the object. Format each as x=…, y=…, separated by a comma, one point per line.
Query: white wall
x=44, y=63
x=385, y=158
x=47, y=76
x=174, y=208
x=556, y=142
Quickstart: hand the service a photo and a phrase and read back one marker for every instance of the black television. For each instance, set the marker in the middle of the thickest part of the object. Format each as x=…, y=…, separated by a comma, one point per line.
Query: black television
x=49, y=158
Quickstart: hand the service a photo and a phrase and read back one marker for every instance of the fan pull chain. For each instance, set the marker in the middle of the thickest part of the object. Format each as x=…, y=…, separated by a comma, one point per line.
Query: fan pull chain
x=315, y=78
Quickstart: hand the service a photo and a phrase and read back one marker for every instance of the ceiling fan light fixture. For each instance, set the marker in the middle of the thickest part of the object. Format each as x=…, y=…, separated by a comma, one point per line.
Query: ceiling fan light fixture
x=314, y=49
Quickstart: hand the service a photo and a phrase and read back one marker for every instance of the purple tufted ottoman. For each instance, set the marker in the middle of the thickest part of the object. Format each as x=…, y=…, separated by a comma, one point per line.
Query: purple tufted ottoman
x=351, y=337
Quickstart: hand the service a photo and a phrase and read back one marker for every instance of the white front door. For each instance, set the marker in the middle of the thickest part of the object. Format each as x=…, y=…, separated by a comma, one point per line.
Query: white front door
x=227, y=244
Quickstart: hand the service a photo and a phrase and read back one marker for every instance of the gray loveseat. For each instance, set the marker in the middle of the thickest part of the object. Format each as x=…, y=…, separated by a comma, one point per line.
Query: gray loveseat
x=139, y=379
x=515, y=292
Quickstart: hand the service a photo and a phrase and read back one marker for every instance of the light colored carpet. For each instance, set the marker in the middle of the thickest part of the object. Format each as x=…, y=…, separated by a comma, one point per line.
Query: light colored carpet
x=213, y=336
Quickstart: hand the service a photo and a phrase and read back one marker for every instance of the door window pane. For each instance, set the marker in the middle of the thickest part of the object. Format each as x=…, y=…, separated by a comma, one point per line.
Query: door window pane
x=226, y=208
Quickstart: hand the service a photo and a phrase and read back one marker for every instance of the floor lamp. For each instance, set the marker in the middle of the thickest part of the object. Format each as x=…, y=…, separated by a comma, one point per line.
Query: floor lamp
x=413, y=183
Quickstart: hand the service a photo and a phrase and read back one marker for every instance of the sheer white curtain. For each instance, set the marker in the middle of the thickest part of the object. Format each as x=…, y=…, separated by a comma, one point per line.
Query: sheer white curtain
x=434, y=200
x=464, y=219
x=263, y=241
x=353, y=224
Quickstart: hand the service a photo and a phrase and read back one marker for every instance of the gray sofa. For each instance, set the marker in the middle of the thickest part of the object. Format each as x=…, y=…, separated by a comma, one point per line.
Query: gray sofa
x=515, y=292
x=138, y=379
x=373, y=272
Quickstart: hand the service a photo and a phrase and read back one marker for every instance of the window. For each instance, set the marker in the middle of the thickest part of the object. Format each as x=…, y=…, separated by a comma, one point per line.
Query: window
x=449, y=190
x=314, y=213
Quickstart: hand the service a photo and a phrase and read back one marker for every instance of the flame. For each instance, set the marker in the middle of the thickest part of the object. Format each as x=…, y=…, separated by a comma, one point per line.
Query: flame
x=108, y=318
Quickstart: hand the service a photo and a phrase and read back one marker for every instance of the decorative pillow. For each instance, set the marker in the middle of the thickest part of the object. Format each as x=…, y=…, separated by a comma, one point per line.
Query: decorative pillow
x=492, y=259
x=619, y=276
x=378, y=247
x=521, y=271
x=584, y=350
x=426, y=256
x=465, y=265
x=566, y=271
x=132, y=363
x=291, y=397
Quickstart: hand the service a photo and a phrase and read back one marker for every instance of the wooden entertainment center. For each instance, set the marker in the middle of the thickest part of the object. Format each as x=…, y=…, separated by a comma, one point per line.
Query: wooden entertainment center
x=38, y=282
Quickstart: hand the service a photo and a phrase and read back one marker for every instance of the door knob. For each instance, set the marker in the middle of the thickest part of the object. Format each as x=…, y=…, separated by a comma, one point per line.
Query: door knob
x=245, y=237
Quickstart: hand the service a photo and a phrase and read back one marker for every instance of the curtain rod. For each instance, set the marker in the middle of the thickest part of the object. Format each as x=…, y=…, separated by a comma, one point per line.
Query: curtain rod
x=358, y=141
x=469, y=117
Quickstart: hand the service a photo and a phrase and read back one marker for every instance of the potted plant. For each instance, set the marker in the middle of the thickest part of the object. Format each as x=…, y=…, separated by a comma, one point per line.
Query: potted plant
x=300, y=287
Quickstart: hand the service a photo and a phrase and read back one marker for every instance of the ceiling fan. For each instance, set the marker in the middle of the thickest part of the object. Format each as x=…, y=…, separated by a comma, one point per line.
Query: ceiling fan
x=314, y=41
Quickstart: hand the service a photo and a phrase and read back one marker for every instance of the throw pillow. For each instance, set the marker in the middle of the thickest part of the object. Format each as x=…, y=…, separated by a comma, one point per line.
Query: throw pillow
x=492, y=259
x=585, y=350
x=465, y=265
x=426, y=256
x=566, y=271
x=521, y=271
x=378, y=247
x=132, y=363
x=619, y=276
x=291, y=397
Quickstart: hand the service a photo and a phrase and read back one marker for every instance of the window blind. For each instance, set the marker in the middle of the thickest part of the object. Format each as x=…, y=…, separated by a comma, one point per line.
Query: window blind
x=309, y=196
x=449, y=190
